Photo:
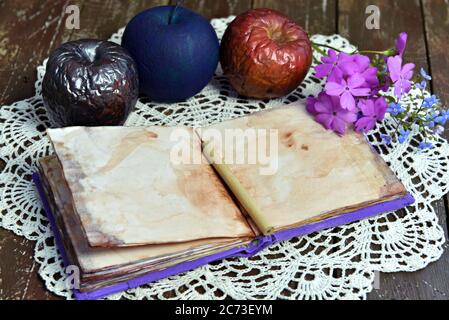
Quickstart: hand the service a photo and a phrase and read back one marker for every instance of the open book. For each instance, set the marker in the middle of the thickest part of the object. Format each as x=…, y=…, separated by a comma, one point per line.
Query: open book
x=132, y=205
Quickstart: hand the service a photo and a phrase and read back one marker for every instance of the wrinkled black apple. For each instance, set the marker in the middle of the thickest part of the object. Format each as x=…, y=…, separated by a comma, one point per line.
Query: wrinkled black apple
x=90, y=83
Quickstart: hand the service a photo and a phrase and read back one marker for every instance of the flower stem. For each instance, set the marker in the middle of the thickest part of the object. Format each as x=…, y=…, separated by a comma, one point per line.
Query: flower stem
x=317, y=46
x=370, y=51
x=316, y=60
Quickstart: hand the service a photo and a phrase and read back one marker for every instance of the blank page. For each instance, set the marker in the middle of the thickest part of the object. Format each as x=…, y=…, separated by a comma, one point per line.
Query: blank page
x=319, y=174
x=127, y=191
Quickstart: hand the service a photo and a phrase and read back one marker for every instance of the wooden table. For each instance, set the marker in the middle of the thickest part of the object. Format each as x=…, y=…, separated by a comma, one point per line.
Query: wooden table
x=30, y=29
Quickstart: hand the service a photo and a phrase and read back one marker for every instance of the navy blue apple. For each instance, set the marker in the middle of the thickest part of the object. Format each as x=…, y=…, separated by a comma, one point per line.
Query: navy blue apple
x=176, y=52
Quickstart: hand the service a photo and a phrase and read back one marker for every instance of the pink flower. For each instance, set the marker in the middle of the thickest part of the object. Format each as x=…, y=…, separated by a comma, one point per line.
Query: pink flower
x=347, y=90
x=329, y=113
x=373, y=111
x=310, y=105
x=400, y=75
x=330, y=66
x=401, y=43
x=328, y=63
x=370, y=76
x=356, y=63
x=360, y=64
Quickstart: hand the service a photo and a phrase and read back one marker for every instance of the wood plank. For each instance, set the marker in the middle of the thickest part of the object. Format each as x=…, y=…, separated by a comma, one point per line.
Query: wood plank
x=217, y=9
x=398, y=16
x=315, y=16
x=29, y=30
x=436, y=13
x=18, y=270
x=23, y=50
x=436, y=17
x=101, y=18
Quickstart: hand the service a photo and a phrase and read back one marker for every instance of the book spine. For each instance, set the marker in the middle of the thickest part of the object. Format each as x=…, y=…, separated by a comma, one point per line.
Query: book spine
x=238, y=190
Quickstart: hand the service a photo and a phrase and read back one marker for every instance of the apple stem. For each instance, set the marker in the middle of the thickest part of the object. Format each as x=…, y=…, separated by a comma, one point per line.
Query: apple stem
x=178, y=3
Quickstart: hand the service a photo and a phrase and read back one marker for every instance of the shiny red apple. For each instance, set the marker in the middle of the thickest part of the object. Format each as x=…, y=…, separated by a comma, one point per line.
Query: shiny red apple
x=265, y=54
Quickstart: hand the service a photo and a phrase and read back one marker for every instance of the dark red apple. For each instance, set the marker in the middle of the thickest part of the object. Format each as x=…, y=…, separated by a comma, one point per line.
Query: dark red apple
x=90, y=83
x=265, y=54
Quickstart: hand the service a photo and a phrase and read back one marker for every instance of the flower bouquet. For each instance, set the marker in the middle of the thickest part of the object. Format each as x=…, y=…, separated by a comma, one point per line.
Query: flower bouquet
x=362, y=87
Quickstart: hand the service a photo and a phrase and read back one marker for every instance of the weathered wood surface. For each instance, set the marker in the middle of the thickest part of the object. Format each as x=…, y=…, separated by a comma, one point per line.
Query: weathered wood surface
x=315, y=16
x=29, y=30
x=217, y=9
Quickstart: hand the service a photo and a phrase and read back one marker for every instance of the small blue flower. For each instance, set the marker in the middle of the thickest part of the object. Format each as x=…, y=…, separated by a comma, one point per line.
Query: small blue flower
x=422, y=85
x=429, y=102
x=394, y=109
x=386, y=139
x=443, y=117
x=439, y=130
x=425, y=75
x=430, y=119
x=425, y=145
x=403, y=135
x=446, y=114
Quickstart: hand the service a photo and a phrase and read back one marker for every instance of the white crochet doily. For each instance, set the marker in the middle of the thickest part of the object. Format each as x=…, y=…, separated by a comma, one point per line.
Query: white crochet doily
x=338, y=263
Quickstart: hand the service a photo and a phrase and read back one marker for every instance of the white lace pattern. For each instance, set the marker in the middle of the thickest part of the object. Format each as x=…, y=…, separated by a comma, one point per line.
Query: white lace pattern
x=337, y=263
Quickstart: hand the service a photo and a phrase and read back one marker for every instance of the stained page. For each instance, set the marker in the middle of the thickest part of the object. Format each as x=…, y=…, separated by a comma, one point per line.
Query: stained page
x=304, y=174
x=93, y=260
x=127, y=190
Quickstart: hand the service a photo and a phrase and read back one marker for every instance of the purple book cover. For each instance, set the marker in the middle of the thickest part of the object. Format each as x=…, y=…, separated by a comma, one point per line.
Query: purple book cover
x=247, y=251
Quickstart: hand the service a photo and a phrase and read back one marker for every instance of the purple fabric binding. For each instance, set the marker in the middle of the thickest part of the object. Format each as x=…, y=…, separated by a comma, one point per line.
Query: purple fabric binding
x=258, y=245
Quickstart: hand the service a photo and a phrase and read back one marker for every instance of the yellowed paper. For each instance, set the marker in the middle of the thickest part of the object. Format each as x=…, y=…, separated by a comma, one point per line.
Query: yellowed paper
x=127, y=191
x=319, y=174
